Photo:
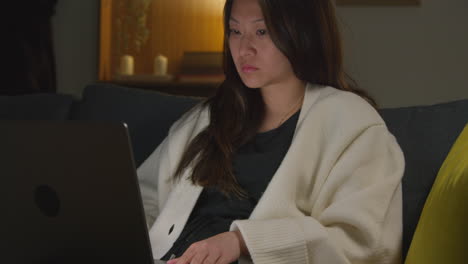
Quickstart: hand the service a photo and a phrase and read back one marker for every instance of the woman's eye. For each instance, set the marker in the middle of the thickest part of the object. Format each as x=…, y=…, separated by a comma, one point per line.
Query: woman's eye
x=261, y=32
x=234, y=31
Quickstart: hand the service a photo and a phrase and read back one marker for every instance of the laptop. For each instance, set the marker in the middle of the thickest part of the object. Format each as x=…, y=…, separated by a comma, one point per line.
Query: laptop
x=69, y=194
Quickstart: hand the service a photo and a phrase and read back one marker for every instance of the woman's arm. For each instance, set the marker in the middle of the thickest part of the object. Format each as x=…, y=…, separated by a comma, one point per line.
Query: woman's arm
x=357, y=218
x=153, y=177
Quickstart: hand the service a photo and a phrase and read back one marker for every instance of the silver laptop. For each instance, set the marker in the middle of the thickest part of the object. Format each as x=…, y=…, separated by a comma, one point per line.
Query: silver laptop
x=69, y=194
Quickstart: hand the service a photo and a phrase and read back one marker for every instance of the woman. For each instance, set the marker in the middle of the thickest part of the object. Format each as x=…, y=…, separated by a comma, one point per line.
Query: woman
x=278, y=166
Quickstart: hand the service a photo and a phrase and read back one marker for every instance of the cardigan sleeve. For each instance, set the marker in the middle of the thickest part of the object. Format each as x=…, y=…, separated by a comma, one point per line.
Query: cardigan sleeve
x=153, y=177
x=356, y=218
x=156, y=172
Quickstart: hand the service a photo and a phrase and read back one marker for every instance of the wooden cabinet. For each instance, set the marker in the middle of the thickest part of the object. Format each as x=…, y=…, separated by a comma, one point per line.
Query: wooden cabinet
x=174, y=87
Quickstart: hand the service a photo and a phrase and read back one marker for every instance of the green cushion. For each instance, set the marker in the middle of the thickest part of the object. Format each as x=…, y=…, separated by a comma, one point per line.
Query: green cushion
x=442, y=232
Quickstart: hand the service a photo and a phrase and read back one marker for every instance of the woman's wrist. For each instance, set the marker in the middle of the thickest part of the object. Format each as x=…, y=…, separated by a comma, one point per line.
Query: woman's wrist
x=243, y=247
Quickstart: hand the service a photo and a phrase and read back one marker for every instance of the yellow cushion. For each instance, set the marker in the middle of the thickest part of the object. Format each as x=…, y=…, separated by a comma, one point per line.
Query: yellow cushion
x=442, y=232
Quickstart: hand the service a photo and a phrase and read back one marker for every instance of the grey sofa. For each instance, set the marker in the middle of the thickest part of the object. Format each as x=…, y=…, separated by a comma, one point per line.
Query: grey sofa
x=425, y=133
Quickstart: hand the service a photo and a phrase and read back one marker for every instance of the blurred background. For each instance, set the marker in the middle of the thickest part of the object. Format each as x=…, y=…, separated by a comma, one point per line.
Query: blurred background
x=404, y=54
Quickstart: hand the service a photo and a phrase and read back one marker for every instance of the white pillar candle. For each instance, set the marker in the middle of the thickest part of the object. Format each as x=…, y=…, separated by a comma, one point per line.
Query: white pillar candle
x=160, y=65
x=126, y=65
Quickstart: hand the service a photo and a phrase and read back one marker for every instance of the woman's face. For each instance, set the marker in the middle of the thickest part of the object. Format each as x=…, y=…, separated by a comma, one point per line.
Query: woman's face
x=258, y=61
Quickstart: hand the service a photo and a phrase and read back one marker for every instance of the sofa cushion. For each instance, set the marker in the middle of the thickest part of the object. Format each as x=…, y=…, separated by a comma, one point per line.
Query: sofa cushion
x=425, y=134
x=148, y=114
x=442, y=232
x=35, y=107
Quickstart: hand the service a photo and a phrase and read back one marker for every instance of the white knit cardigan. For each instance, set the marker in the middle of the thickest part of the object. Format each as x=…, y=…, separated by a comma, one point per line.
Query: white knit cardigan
x=336, y=197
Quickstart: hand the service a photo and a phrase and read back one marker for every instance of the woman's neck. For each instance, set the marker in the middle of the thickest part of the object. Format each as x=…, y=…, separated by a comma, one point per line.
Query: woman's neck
x=281, y=102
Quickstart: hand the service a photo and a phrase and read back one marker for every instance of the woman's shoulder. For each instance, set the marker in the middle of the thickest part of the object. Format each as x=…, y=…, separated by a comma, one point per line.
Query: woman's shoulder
x=342, y=105
x=193, y=121
x=337, y=114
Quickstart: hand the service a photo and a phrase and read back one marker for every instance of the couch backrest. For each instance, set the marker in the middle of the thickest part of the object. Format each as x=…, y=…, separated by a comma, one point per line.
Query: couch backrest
x=425, y=134
x=148, y=114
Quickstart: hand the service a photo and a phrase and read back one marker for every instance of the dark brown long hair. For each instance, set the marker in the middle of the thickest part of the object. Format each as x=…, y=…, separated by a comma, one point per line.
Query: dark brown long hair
x=306, y=32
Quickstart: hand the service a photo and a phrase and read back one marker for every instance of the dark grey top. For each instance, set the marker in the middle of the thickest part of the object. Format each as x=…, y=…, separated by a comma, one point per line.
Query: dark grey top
x=254, y=165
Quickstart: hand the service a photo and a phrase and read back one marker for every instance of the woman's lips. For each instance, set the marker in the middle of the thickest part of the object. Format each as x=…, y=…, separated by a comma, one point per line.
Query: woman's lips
x=249, y=68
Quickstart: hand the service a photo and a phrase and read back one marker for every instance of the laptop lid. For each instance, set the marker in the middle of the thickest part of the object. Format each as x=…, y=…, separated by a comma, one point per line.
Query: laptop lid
x=69, y=194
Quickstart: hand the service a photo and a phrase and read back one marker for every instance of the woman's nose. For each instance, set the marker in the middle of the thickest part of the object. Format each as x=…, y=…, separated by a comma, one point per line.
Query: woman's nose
x=246, y=47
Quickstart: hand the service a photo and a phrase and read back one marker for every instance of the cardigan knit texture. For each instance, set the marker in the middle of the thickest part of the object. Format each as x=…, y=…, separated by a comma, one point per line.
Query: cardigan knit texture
x=335, y=198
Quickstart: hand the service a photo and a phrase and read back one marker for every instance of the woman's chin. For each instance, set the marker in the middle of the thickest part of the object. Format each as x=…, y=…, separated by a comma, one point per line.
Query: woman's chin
x=253, y=84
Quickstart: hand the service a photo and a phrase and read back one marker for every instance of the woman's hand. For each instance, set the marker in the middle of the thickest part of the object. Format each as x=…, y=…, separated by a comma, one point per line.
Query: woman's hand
x=220, y=249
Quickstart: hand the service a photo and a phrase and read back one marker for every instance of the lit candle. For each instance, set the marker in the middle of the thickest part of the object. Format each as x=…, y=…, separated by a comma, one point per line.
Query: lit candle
x=160, y=65
x=126, y=65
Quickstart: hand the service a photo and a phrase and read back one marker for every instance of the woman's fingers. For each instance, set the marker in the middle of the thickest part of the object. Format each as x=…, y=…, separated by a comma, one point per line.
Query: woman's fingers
x=185, y=258
x=199, y=258
x=223, y=249
x=212, y=258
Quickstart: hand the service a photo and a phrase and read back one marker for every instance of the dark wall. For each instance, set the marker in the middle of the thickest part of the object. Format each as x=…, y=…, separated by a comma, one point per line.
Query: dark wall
x=28, y=44
x=76, y=40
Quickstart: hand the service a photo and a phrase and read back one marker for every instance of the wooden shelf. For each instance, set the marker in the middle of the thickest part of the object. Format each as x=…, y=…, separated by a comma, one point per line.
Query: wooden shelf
x=167, y=85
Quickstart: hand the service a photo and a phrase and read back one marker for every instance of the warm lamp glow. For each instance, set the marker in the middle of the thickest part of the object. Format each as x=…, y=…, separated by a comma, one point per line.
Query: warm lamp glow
x=164, y=27
x=215, y=8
